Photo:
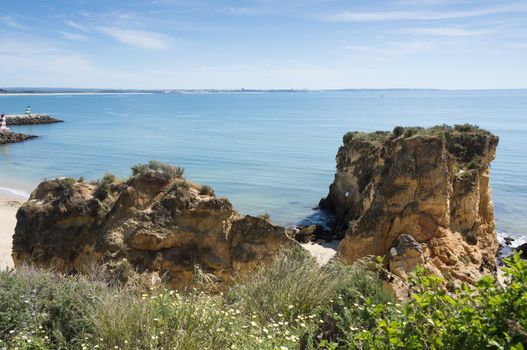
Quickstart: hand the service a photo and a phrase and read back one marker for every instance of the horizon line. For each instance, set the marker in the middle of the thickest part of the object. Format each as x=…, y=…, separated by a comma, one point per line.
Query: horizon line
x=242, y=89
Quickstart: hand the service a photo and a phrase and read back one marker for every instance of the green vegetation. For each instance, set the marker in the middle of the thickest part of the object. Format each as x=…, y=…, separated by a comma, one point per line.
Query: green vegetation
x=156, y=167
x=206, y=190
x=290, y=304
x=443, y=131
x=264, y=216
x=488, y=316
x=104, y=186
x=65, y=185
x=467, y=143
x=366, y=136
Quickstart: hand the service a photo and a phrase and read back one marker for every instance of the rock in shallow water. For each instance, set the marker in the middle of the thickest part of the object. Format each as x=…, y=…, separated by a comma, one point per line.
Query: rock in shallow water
x=13, y=137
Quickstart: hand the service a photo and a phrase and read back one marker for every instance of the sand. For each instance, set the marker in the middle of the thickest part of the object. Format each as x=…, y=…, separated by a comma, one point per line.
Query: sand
x=8, y=208
x=322, y=251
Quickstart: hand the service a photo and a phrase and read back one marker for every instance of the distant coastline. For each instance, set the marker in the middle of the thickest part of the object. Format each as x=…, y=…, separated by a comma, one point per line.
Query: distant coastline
x=23, y=91
x=70, y=93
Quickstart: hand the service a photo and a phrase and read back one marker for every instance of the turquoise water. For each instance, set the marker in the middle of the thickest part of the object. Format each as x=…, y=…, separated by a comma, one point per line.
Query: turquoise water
x=266, y=152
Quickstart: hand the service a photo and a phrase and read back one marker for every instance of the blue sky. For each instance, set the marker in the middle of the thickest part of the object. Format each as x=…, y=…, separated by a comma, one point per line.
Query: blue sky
x=315, y=44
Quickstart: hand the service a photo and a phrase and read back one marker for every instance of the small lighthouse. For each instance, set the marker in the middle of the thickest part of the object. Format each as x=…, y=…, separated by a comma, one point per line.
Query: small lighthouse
x=3, y=123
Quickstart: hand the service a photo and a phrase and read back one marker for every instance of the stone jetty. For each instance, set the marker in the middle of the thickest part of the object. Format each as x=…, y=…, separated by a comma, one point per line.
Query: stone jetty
x=30, y=119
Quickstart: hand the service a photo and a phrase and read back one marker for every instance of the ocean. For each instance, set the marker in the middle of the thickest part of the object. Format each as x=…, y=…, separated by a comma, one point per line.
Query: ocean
x=270, y=152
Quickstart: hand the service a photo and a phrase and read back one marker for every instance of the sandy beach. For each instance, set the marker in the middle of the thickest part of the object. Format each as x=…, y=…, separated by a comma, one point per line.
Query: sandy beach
x=8, y=209
x=322, y=251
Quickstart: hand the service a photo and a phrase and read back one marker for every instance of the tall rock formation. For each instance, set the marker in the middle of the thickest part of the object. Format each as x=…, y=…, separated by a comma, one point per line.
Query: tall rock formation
x=417, y=196
x=154, y=224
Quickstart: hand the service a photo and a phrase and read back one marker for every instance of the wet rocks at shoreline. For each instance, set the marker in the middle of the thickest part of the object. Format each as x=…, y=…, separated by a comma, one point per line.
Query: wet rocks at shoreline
x=13, y=137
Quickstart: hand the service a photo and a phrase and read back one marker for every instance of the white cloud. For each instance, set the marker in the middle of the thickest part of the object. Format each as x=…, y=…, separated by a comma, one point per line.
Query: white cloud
x=73, y=36
x=138, y=38
x=354, y=16
x=447, y=31
x=45, y=64
x=11, y=22
x=76, y=25
x=390, y=50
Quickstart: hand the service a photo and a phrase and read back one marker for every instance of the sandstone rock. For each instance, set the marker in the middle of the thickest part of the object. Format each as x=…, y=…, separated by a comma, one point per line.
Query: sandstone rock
x=13, y=137
x=394, y=190
x=405, y=256
x=155, y=225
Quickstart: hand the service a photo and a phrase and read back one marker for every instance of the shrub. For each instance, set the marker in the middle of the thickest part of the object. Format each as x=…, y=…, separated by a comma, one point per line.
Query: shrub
x=354, y=285
x=398, y=131
x=264, y=216
x=155, y=166
x=466, y=128
x=206, y=190
x=488, y=316
x=104, y=186
x=292, y=285
x=409, y=132
x=65, y=186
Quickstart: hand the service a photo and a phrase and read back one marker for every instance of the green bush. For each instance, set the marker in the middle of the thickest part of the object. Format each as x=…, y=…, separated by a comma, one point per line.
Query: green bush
x=104, y=186
x=155, y=166
x=206, y=190
x=398, y=131
x=264, y=216
x=354, y=285
x=467, y=128
x=292, y=285
x=487, y=316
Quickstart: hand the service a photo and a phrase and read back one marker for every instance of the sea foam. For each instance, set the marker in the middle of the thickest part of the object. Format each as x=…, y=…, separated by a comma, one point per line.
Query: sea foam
x=14, y=192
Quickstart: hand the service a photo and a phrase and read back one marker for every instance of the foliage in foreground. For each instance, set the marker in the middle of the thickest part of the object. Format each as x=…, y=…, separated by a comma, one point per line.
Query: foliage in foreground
x=486, y=316
x=278, y=307
x=291, y=304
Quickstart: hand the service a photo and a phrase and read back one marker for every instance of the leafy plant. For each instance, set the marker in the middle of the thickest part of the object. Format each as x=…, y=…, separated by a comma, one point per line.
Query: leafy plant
x=486, y=316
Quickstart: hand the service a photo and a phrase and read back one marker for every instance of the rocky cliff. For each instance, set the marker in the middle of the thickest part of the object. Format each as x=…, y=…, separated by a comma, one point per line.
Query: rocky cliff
x=155, y=224
x=417, y=196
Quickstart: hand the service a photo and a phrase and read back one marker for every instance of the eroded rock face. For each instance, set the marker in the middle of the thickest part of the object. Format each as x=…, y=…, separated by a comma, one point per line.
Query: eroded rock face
x=417, y=196
x=155, y=224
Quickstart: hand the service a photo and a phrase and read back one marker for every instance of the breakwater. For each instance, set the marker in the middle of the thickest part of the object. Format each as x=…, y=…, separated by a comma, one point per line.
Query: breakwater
x=30, y=119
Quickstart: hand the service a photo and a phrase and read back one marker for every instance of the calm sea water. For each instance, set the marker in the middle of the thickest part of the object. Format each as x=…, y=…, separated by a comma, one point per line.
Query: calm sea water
x=266, y=152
